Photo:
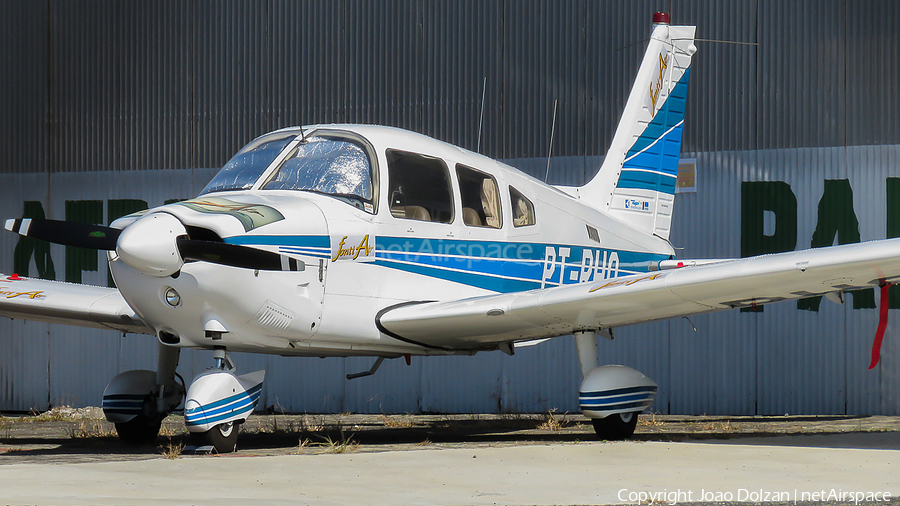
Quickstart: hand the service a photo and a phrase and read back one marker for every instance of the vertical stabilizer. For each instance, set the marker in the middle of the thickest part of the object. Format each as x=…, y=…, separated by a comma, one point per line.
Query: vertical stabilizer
x=636, y=182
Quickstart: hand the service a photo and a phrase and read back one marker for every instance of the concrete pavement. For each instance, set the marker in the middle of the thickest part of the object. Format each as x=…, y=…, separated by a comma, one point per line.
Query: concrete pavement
x=815, y=467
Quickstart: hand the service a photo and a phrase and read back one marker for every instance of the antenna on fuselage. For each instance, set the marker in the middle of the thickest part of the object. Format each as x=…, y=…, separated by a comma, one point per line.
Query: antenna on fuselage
x=481, y=119
x=552, y=130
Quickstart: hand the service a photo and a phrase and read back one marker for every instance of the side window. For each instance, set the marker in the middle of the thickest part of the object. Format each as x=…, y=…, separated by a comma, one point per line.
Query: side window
x=419, y=187
x=523, y=210
x=480, y=198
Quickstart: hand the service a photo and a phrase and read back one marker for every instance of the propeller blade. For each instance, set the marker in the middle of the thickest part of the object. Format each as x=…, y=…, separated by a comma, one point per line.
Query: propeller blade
x=235, y=255
x=67, y=233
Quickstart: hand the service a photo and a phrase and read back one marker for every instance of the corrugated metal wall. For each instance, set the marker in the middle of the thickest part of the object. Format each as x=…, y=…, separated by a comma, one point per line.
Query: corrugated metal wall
x=181, y=84
x=108, y=100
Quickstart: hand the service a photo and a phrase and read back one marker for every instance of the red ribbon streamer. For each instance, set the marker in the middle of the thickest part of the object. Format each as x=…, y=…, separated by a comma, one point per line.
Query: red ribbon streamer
x=882, y=325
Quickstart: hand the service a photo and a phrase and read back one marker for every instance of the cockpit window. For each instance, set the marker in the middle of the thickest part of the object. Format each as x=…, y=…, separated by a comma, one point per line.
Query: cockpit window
x=523, y=209
x=480, y=198
x=335, y=167
x=242, y=171
x=419, y=187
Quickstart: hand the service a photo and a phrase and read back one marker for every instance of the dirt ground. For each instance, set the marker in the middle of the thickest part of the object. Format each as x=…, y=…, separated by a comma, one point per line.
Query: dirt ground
x=82, y=435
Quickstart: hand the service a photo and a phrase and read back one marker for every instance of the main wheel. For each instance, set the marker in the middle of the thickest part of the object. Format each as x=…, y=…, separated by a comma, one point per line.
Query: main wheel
x=223, y=437
x=616, y=427
x=139, y=431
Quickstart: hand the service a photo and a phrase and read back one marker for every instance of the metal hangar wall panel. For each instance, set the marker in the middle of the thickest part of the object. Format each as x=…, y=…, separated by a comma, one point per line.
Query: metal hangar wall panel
x=112, y=107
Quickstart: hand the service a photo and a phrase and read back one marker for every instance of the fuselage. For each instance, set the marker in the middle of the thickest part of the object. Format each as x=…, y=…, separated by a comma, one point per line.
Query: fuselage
x=375, y=216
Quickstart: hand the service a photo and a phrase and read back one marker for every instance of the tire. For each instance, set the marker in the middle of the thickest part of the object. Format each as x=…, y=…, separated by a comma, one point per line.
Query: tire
x=138, y=431
x=223, y=437
x=616, y=427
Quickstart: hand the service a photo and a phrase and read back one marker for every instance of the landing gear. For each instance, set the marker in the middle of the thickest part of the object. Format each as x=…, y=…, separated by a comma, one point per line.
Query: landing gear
x=612, y=396
x=616, y=427
x=223, y=437
x=218, y=402
x=139, y=430
x=138, y=401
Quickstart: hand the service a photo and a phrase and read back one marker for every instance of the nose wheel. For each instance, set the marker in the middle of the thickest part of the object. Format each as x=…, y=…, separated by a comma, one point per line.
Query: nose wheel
x=218, y=402
x=223, y=437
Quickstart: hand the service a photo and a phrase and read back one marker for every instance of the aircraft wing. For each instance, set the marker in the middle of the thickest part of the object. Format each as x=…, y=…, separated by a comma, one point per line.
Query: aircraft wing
x=487, y=321
x=67, y=303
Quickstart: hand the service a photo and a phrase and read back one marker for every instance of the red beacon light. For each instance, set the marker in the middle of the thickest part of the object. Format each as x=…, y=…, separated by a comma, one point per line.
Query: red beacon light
x=661, y=18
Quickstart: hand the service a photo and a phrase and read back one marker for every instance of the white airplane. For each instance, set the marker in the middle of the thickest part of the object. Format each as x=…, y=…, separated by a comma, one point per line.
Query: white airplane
x=349, y=240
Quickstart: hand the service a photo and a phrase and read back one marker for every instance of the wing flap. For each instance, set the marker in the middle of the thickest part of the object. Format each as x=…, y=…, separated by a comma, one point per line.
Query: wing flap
x=67, y=303
x=484, y=322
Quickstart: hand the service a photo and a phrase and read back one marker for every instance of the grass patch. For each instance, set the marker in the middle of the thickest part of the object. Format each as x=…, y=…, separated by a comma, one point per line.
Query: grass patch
x=554, y=422
x=342, y=445
x=55, y=414
x=171, y=450
x=91, y=429
x=650, y=421
x=405, y=422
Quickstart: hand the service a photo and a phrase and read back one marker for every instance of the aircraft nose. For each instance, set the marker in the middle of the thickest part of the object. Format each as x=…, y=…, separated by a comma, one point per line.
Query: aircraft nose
x=149, y=245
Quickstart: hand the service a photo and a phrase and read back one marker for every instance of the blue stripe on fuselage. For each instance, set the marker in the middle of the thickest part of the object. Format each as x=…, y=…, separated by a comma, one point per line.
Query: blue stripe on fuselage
x=508, y=266
x=492, y=265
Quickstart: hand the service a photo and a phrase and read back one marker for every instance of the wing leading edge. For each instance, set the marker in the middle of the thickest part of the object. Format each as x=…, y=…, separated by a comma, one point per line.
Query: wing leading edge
x=485, y=322
x=68, y=304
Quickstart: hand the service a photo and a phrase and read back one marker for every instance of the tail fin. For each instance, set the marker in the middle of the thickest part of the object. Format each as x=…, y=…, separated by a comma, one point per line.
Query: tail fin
x=636, y=182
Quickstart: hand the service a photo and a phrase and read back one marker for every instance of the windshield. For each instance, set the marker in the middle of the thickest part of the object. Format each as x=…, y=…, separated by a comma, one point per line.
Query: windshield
x=339, y=168
x=245, y=168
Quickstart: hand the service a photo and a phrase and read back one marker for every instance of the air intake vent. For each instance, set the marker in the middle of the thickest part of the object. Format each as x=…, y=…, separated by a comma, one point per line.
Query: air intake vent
x=592, y=233
x=274, y=316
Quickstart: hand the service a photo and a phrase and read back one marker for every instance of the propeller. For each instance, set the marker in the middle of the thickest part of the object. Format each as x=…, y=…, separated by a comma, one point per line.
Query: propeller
x=234, y=255
x=67, y=233
x=156, y=244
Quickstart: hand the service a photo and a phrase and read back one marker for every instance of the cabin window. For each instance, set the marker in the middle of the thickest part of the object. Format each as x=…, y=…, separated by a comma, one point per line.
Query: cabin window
x=480, y=198
x=419, y=187
x=523, y=210
x=242, y=171
x=334, y=167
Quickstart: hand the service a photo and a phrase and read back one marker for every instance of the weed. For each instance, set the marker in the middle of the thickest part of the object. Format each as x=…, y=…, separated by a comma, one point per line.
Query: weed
x=424, y=443
x=302, y=444
x=263, y=426
x=171, y=450
x=343, y=445
x=650, y=421
x=168, y=431
x=718, y=426
x=553, y=423
x=401, y=422
x=90, y=429
x=311, y=425
x=56, y=414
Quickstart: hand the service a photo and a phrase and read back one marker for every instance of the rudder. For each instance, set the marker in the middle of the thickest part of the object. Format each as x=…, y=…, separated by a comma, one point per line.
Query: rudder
x=636, y=182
